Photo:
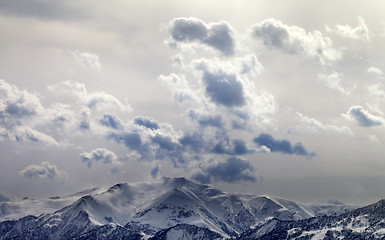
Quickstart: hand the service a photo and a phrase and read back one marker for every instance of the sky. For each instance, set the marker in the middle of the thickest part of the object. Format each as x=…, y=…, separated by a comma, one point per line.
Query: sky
x=283, y=98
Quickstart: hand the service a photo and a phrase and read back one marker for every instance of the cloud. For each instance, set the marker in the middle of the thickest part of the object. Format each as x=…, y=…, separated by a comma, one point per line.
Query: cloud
x=17, y=105
x=101, y=155
x=155, y=172
x=44, y=170
x=232, y=170
x=219, y=36
x=27, y=134
x=375, y=71
x=295, y=40
x=359, y=32
x=87, y=59
x=333, y=81
x=376, y=90
x=313, y=125
x=363, y=117
x=146, y=122
x=179, y=88
x=95, y=100
x=207, y=120
x=282, y=146
x=223, y=88
x=111, y=121
x=232, y=147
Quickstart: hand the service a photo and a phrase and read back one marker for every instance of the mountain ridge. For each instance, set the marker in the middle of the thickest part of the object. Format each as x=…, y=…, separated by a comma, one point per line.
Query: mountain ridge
x=167, y=207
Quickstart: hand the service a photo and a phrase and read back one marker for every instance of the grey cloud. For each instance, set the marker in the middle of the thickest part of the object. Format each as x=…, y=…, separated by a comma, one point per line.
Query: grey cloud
x=111, y=121
x=363, y=117
x=223, y=88
x=27, y=134
x=99, y=155
x=146, y=122
x=207, y=120
x=232, y=170
x=282, y=146
x=16, y=105
x=155, y=172
x=295, y=40
x=219, y=36
x=232, y=147
x=44, y=170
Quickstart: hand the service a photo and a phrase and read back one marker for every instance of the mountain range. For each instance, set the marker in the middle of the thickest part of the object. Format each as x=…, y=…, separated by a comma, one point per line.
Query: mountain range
x=177, y=208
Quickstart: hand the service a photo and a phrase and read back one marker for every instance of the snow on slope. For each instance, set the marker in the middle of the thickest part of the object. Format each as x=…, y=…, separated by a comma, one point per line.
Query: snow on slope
x=150, y=207
x=21, y=208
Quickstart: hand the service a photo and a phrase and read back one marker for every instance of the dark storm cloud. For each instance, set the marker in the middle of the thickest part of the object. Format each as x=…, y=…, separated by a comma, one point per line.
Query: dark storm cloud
x=219, y=36
x=295, y=40
x=146, y=122
x=44, y=170
x=364, y=118
x=98, y=155
x=232, y=170
x=282, y=146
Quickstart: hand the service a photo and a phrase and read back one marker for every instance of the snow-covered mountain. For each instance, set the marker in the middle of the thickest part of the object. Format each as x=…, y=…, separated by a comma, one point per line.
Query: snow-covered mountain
x=167, y=209
x=363, y=223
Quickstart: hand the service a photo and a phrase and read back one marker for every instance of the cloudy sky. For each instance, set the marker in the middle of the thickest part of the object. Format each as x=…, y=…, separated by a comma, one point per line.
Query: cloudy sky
x=285, y=98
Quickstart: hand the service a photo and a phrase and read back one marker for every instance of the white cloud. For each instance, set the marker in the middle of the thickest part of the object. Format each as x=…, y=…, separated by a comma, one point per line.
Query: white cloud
x=101, y=155
x=94, y=100
x=44, y=170
x=295, y=40
x=359, y=32
x=313, y=125
x=363, y=117
x=87, y=59
x=333, y=81
x=375, y=71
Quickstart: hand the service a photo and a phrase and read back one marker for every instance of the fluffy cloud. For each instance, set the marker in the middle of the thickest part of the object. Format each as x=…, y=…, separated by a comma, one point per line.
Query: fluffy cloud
x=282, y=146
x=232, y=147
x=207, y=120
x=232, y=170
x=17, y=105
x=363, y=117
x=295, y=40
x=359, y=32
x=94, y=100
x=375, y=71
x=313, y=125
x=223, y=88
x=219, y=36
x=44, y=170
x=333, y=81
x=111, y=121
x=88, y=59
x=101, y=155
x=146, y=122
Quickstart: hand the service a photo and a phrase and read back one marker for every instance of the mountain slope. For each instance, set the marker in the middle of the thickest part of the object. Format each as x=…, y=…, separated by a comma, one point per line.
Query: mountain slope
x=363, y=223
x=166, y=208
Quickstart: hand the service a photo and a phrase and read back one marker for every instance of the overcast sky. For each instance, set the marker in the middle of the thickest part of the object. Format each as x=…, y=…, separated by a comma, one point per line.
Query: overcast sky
x=284, y=98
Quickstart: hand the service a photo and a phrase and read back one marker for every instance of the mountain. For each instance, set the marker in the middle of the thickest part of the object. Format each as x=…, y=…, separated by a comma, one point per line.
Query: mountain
x=363, y=223
x=171, y=208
